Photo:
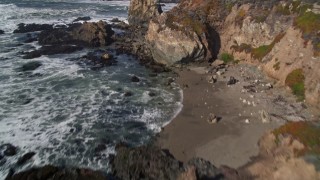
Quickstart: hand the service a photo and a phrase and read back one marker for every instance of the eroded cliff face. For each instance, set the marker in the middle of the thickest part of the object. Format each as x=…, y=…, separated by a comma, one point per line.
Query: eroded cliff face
x=283, y=38
x=141, y=11
x=184, y=34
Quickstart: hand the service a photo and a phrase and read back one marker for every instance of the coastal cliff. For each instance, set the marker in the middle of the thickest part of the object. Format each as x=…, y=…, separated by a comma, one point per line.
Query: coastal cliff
x=281, y=38
x=232, y=39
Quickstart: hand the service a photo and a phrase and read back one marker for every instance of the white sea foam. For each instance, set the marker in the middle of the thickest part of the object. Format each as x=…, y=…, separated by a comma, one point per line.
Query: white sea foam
x=61, y=109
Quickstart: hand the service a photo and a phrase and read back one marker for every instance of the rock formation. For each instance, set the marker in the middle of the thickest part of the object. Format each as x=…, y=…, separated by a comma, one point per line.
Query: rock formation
x=88, y=34
x=282, y=38
x=150, y=162
x=183, y=35
x=141, y=11
x=55, y=173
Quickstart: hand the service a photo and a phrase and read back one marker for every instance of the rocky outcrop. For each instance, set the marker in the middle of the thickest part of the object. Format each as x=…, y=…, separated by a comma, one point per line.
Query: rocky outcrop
x=280, y=40
x=141, y=11
x=25, y=28
x=149, y=162
x=88, y=34
x=283, y=153
x=185, y=40
x=56, y=173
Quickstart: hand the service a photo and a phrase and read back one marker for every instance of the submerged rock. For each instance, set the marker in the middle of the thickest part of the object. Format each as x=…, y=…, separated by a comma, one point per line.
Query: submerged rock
x=85, y=18
x=22, y=160
x=8, y=149
x=51, y=50
x=24, y=28
x=30, y=66
x=98, y=58
x=135, y=79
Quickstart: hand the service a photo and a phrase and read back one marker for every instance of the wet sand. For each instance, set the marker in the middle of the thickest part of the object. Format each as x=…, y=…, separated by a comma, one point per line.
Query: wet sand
x=232, y=141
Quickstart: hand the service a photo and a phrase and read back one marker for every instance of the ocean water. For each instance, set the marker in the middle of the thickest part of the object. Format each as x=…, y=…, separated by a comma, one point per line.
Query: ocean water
x=63, y=110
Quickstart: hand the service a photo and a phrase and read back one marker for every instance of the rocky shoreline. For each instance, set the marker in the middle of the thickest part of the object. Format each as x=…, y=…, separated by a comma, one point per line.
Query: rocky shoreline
x=229, y=104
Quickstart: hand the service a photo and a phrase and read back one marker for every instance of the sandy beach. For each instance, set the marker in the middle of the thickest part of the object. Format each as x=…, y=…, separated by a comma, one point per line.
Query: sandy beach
x=233, y=141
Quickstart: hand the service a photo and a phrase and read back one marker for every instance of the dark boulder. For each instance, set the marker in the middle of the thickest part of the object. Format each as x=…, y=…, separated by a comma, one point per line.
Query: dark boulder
x=24, y=28
x=2, y=160
x=232, y=81
x=85, y=18
x=128, y=93
x=1, y=31
x=22, y=160
x=204, y=169
x=8, y=149
x=99, y=148
x=135, y=79
x=98, y=58
x=90, y=34
x=144, y=163
x=30, y=66
x=49, y=172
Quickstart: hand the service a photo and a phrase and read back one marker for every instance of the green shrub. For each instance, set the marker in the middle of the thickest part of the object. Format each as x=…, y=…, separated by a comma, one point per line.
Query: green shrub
x=226, y=57
x=309, y=23
x=305, y=132
x=295, y=80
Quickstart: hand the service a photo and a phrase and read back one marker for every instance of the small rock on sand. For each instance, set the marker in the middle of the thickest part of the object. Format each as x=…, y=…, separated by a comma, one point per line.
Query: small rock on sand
x=212, y=119
x=264, y=116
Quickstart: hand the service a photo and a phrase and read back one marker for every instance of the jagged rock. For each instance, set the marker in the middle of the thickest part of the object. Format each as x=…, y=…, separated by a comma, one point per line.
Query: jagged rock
x=141, y=11
x=144, y=163
x=169, y=46
x=24, y=28
x=8, y=149
x=212, y=118
x=232, y=81
x=204, y=169
x=22, y=160
x=30, y=66
x=49, y=172
x=87, y=34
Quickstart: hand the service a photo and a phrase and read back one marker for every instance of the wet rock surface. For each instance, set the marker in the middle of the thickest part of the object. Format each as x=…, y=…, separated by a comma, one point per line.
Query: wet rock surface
x=25, y=28
x=8, y=150
x=30, y=66
x=97, y=59
x=51, y=50
x=150, y=162
x=84, y=18
x=56, y=173
x=22, y=160
x=87, y=34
